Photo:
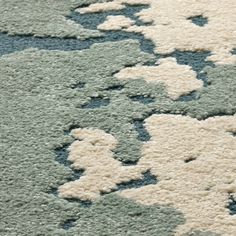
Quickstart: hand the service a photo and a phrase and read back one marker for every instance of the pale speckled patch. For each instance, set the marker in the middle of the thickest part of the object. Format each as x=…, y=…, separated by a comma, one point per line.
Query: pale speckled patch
x=100, y=7
x=116, y=23
x=172, y=29
x=196, y=167
x=178, y=79
x=108, y=6
x=92, y=152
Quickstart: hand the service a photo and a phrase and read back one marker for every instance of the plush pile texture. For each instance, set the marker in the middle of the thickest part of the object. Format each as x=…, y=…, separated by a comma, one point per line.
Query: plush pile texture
x=118, y=118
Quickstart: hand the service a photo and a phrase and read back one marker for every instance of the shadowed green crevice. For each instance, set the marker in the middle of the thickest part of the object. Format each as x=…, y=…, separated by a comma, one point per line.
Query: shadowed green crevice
x=62, y=158
x=68, y=224
x=190, y=159
x=232, y=205
x=143, y=134
x=18, y=43
x=233, y=133
x=96, y=102
x=143, y=99
x=147, y=178
x=62, y=155
x=83, y=203
x=113, y=215
x=115, y=87
x=199, y=20
x=190, y=97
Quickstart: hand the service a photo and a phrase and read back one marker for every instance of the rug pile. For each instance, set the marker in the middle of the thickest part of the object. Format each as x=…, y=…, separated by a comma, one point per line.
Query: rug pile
x=118, y=118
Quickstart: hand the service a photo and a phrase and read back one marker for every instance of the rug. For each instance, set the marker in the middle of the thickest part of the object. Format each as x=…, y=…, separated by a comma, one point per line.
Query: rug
x=118, y=118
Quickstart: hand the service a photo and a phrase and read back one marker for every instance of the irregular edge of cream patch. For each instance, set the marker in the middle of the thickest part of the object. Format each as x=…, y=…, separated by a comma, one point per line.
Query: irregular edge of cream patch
x=213, y=124
x=195, y=83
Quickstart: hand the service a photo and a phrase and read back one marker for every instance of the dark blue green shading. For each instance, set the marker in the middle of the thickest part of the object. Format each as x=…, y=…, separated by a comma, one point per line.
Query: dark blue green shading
x=143, y=134
x=143, y=99
x=199, y=20
x=68, y=224
x=232, y=205
x=148, y=178
x=96, y=102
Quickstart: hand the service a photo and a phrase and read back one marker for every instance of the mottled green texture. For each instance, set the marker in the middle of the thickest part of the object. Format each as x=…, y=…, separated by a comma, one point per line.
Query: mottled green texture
x=218, y=98
x=115, y=216
x=38, y=104
x=42, y=18
x=118, y=117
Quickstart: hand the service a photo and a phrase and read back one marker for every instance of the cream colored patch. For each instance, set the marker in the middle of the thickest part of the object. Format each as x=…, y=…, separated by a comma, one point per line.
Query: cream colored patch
x=195, y=163
x=178, y=79
x=172, y=30
x=100, y=7
x=92, y=152
x=109, y=6
x=116, y=23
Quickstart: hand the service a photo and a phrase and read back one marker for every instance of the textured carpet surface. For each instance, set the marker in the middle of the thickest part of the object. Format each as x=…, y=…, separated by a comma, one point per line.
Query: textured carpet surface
x=118, y=117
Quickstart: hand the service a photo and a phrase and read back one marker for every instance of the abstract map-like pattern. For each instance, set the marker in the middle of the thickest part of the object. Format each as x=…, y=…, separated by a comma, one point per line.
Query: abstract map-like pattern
x=118, y=117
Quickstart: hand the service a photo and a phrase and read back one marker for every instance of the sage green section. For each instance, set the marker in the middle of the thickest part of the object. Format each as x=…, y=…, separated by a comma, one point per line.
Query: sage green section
x=217, y=98
x=37, y=106
x=115, y=216
x=42, y=18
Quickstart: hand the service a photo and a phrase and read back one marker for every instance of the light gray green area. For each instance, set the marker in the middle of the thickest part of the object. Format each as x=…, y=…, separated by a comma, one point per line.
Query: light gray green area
x=115, y=216
x=218, y=98
x=42, y=18
x=39, y=102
